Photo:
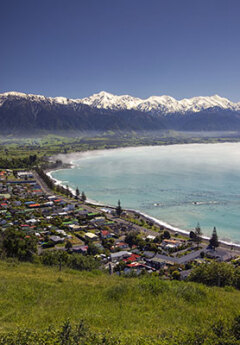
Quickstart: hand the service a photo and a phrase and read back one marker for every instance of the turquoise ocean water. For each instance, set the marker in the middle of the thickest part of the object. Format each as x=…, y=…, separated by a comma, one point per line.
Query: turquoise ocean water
x=179, y=184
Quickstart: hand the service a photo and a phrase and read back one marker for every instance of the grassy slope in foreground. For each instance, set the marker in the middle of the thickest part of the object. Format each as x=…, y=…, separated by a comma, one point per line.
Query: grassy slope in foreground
x=34, y=296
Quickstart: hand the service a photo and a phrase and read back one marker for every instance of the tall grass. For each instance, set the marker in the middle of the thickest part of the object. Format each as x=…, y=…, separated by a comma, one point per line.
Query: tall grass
x=35, y=297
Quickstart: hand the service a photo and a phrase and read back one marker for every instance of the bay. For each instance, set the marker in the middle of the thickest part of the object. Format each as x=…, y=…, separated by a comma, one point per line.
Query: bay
x=178, y=184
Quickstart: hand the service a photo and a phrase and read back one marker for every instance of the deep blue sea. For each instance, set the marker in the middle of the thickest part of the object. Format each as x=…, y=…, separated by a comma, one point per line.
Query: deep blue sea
x=179, y=184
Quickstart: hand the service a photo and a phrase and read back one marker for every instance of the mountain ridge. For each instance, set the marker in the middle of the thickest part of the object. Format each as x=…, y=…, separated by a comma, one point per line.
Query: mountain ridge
x=154, y=104
x=28, y=113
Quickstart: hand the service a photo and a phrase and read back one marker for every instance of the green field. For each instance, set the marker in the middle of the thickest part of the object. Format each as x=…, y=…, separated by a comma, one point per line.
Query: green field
x=51, y=144
x=35, y=297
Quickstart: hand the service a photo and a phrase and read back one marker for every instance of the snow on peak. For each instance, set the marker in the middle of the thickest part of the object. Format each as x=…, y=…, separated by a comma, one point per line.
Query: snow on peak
x=155, y=104
x=15, y=93
x=158, y=104
x=61, y=100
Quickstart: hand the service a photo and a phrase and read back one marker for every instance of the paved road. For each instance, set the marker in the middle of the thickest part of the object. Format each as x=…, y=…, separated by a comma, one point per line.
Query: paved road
x=49, y=192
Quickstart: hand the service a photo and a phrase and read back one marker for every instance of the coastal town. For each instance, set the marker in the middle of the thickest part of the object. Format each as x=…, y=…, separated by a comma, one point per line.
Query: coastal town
x=121, y=241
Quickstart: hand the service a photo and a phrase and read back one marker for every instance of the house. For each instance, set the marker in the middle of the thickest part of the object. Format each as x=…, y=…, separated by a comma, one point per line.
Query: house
x=56, y=239
x=98, y=221
x=69, y=207
x=34, y=205
x=132, y=258
x=24, y=174
x=48, y=204
x=17, y=203
x=62, y=214
x=105, y=234
x=80, y=249
x=121, y=245
x=150, y=237
x=108, y=210
x=219, y=254
x=90, y=236
x=99, y=246
x=5, y=196
x=52, y=197
x=148, y=254
x=139, y=266
x=119, y=255
x=82, y=214
x=74, y=227
x=157, y=262
x=61, y=232
x=91, y=215
x=171, y=244
x=32, y=221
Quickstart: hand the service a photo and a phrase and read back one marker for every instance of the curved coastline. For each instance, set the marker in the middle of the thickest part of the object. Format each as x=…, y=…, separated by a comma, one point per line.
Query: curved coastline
x=156, y=221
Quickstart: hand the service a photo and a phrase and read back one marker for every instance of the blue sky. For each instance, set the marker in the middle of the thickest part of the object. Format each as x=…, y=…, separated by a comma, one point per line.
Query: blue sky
x=75, y=48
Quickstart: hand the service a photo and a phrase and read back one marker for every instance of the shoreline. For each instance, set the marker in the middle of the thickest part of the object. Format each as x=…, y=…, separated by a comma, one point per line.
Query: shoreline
x=156, y=221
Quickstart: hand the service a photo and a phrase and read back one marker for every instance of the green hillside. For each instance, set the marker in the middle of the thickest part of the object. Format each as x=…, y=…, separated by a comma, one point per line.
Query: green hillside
x=129, y=309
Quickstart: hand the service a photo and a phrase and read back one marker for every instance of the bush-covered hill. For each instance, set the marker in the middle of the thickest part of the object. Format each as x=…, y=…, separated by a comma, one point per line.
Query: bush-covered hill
x=127, y=310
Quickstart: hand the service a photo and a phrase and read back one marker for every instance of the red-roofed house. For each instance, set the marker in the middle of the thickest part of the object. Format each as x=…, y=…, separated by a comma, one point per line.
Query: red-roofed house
x=121, y=245
x=132, y=258
x=105, y=234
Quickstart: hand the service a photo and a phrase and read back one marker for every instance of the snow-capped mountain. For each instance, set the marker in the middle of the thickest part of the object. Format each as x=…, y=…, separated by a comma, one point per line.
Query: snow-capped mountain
x=26, y=113
x=160, y=105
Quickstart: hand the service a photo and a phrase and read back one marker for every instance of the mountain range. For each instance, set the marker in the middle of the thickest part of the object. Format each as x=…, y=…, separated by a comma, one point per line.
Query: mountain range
x=26, y=113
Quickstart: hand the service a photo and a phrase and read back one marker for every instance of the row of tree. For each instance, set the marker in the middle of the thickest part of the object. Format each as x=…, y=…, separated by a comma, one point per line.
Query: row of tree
x=75, y=261
x=216, y=274
x=197, y=234
x=18, y=163
x=58, y=188
x=80, y=195
x=48, y=181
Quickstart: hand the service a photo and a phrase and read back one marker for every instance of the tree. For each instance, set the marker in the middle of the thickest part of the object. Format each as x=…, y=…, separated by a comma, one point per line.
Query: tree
x=198, y=235
x=62, y=258
x=176, y=275
x=151, y=247
x=192, y=235
x=16, y=243
x=131, y=238
x=119, y=209
x=141, y=243
x=77, y=193
x=67, y=191
x=166, y=234
x=83, y=197
x=68, y=245
x=92, y=249
x=108, y=243
x=214, y=273
x=157, y=239
x=120, y=266
x=214, y=239
x=80, y=262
